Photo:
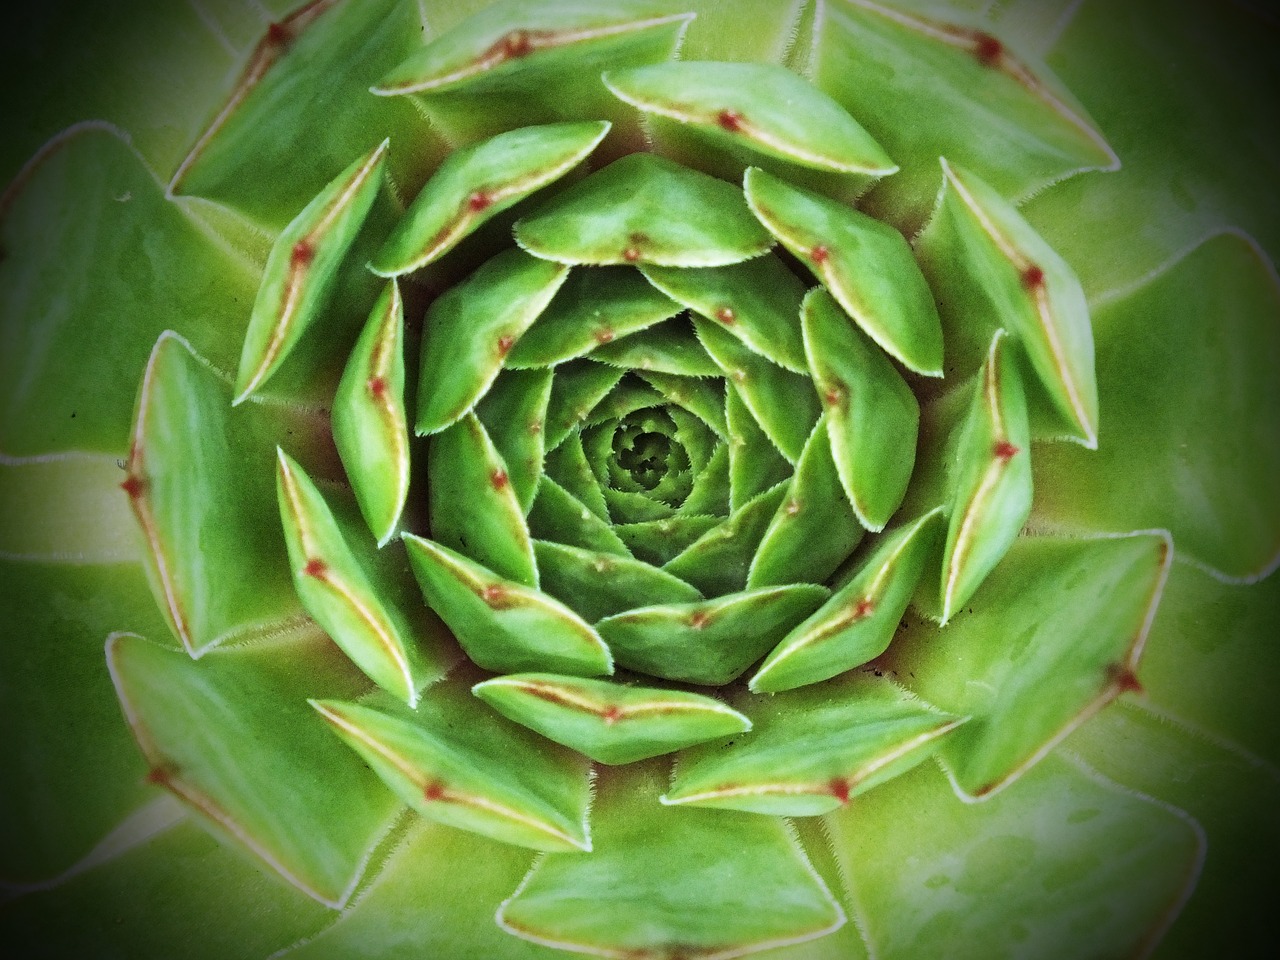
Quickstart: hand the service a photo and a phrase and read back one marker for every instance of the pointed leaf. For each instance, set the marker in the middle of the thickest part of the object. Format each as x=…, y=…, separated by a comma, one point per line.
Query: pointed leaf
x=925, y=87
x=476, y=183
x=502, y=625
x=199, y=472
x=514, y=414
x=757, y=301
x=473, y=506
x=471, y=329
x=560, y=517
x=710, y=493
x=456, y=763
x=993, y=270
x=1190, y=442
x=813, y=750
x=1038, y=651
x=231, y=736
x=389, y=640
x=666, y=881
x=303, y=267
x=370, y=429
x=815, y=529
x=658, y=541
x=719, y=560
x=782, y=402
x=644, y=209
x=578, y=387
x=567, y=465
x=709, y=641
x=857, y=624
x=669, y=347
x=866, y=264
x=872, y=415
x=991, y=497
x=763, y=107
x=599, y=584
x=609, y=722
x=755, y=463
x=593, y=307
x=701, y=396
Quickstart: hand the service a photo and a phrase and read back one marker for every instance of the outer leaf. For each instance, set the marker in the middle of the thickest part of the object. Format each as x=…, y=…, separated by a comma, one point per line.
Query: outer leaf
x=502, y=625
x=1195, y=450
x=455, y=762
x=985, y=260
x=609, y=722
x=710, y=641
x=872, y=415
x=1038, y=652
x=991, y=490
x=471, y=329
x=859, y=621
x=203, y=724
x=664, y=880
x=813, y=750
x=369, y=425
x=867, y=266
x=476, y=183
x=643, y=209
x=766, y=108
x=302, y=268
x=925, y=87
x=209, y=485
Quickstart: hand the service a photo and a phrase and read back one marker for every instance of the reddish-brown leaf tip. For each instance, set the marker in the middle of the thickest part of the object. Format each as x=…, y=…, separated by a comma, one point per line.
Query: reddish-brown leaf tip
x=730, y=120
x=1004, y=450
x=987, y=49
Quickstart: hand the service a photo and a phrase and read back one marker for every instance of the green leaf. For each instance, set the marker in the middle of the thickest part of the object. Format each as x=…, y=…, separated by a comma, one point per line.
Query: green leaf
x=471, y=329
x=95, y=255
x=231, y=736
x=270, y=149
x=659, y=541
x=397, y=648
x=598, y=584
x=925, y=88
x=567, y=465
x=993, y=270
x=701, y=396
x=781, y=401
x=644, y=209
x=1193, y=450
x=758, y=301
x=813, y=750
x=609, y=722
x=473, y=506
x=755, y=462
x=454, y=762
x=200, y=472
x=669, y=880
x=578, y=387
x=502, y=625
x=719, y=560
x=522, y=61
x=559, y=516
x=866, y=264
x=302, y=269
x=708, y=641
x=1053, y=635
x=815, y=529
x=593, y=307
x=476, y=183
x=872, y=416
x=860, y=619
x=61, y=716
x=763, y=107
x=991, y=485
x=514, y=414
x=370, y=429
x=1066, y=865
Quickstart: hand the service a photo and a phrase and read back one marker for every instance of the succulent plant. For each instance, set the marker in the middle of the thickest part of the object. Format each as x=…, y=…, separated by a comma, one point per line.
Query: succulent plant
x=648, y=479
